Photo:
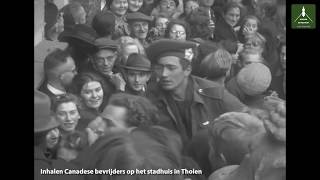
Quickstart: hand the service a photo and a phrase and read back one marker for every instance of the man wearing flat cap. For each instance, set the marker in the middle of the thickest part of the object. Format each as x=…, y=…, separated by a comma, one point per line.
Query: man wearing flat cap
x=139, y=26
x=190, y=102
x=137, y=73
x=103, y=61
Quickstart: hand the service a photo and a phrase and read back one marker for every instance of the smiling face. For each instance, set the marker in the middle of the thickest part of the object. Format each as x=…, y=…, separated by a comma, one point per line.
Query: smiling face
x=140, y=29
x=170, y=72
x=135, y=5
x=232, y=16
x=137, y=80
x=92, y=94
x=119, y=7
x=68, y=116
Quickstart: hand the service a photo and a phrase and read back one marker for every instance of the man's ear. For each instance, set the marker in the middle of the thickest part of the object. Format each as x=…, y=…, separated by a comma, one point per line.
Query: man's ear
x=188, y=70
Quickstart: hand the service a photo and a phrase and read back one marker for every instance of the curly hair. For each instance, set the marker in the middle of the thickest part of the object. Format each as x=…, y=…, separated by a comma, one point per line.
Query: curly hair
x=140, y=111
x=182, y=23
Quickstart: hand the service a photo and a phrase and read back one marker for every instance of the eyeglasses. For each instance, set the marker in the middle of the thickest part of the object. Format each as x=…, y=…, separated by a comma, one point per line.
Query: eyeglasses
x=179, y=33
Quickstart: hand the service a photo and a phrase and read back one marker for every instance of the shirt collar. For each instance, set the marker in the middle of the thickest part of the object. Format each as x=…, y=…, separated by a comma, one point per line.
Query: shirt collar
x=55, y=91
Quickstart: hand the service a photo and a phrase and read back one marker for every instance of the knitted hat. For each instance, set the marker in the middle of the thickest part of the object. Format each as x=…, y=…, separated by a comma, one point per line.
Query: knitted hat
x=254, y=79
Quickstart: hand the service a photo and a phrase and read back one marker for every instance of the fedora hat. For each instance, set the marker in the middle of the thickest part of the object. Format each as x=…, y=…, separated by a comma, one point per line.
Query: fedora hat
x=43, y=120
x=137, y=62
x=81, y=32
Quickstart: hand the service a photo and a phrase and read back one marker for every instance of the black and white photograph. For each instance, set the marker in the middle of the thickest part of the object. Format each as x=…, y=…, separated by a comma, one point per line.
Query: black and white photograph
x=161, y=89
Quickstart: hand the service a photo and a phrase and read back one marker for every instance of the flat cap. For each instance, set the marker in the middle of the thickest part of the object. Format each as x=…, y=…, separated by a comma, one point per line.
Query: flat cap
x=81, y=32
x=254, y=79
x=170, y=47
x=105, y=43
x=138, y=16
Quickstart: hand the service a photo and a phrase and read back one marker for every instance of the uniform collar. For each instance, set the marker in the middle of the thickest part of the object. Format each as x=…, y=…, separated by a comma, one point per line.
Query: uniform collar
x=54, y=90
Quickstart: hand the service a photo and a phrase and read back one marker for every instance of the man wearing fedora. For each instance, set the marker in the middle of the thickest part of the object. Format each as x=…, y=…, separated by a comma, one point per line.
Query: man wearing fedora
x=137, y=72
x=59, y=69
x=139, y=26
x=189, y=103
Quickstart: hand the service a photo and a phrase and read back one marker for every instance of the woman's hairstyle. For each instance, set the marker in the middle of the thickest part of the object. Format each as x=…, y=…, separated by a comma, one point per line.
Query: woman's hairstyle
x=178, y=22
x=65, y=98
x=140, y=111
x=83, y=78
x=257, y=39
x=243, y=22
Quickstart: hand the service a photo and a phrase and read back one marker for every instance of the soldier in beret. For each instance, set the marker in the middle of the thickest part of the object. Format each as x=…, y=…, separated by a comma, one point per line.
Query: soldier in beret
x=139, y=26
x=188, y=101
x=137, y=72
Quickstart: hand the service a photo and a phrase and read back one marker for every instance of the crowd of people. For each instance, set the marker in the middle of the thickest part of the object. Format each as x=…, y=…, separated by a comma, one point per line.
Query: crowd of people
x=163, y=85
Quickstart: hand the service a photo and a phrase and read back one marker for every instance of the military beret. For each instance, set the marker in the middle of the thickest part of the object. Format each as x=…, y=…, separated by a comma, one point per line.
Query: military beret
x=105, y=43
x=170, y=47
x=254, y=79
x=138, y=16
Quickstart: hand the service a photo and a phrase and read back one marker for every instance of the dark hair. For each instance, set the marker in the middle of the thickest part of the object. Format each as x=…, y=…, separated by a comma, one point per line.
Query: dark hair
x=182, y=23
x=40, y=137
x=216, y=64
x=65, y=98
x=140, y=111
x=231, y=5
x=76, y=140
x=83, y=78
x=55, y=59
x=69, y=12
x=102, y=26
x=243, y=21
x=134, y=151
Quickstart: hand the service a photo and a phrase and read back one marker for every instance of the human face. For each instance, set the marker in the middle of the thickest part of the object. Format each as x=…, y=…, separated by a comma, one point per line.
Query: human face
x=92, y=94
x=206, y=3
x=283, y=59
x=167, y=6
x=190, y=6
x=178, y=32
x=137, y=80
x=119, y=7
x=135, y=5
x=170, y=72
x=140, y=29
x=104, y=61
x=68, y=116
x=117, y=114
x=52, y=138
x=80, y=17
x=232, y=16
x=250, y=27
x=67, y=71
x=161, y=24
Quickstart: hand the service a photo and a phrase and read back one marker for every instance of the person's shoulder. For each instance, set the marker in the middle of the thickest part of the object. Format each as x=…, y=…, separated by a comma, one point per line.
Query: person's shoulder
x=209, y=88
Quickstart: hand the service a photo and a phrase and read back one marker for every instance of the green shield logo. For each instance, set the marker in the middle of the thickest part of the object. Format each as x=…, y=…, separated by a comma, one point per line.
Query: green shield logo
x=303, y=16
